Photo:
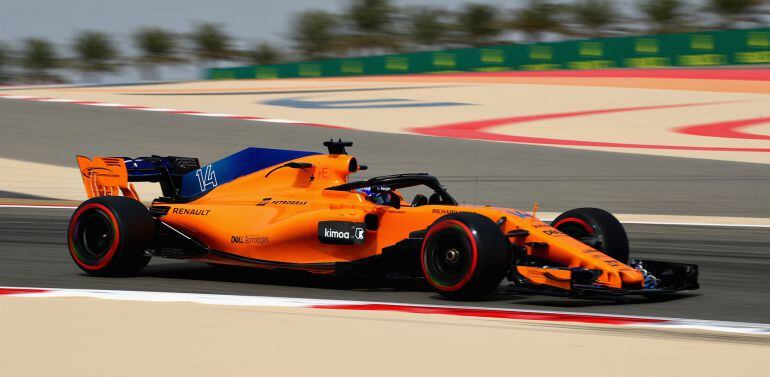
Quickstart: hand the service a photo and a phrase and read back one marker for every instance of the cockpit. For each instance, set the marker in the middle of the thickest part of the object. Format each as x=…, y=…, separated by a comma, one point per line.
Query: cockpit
x=390, y=190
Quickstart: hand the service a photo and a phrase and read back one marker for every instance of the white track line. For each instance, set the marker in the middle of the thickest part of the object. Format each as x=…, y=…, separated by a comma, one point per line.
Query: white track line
x=215, y=115
x=19, y=97
x=171, y=111
x=63, y=100
x=278, y=120
x=104, y=104
x=158, y=109
x=682, y=223
x=266, y=301
x=697, y=224
x=199, y=298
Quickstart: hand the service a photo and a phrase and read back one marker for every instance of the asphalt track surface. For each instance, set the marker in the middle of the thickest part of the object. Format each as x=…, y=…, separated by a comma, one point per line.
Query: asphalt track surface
x=734, y=273
x=511, y=175
x=735, y=261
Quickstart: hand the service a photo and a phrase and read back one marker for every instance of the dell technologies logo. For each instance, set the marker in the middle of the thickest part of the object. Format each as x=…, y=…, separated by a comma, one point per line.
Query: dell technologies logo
x=341, y=232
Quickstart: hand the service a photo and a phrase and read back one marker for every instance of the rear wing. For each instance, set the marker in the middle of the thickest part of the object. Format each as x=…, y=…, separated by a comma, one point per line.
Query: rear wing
x=111, y=176
x=180, y=178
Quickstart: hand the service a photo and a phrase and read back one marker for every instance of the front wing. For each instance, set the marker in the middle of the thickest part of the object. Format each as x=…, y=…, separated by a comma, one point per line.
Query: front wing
x=660, y=278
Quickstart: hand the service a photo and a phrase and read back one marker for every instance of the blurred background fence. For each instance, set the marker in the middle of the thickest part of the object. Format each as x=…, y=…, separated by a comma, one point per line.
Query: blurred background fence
x=707, y=48
x=364, y=37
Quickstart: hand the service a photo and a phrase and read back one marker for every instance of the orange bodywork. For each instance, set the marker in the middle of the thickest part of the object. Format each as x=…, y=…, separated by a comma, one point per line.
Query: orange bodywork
x=275, y=218
x=561, y=279
x=105, y=176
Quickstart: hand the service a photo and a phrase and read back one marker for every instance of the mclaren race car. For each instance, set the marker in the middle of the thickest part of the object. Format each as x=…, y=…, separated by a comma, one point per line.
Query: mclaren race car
x=286, y=209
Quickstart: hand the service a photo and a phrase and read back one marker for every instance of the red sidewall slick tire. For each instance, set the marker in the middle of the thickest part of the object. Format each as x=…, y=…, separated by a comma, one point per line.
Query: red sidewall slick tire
x=595, y=222
x=77, y=245
x=464, y=256
x=107, y=236
x=451, y=225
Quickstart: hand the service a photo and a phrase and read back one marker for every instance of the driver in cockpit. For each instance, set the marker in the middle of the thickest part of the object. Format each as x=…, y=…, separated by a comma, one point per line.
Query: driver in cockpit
x=379, y=194
x=386, y=196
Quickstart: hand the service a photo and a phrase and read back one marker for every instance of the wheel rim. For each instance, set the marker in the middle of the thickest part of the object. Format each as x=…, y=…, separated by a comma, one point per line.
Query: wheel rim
x=581, y=231
x=93, y=237
x=449, y=256
x=95, y=233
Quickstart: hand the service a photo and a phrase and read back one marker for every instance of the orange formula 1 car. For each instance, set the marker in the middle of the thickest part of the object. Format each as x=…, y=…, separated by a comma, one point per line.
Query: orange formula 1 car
x=283, y=209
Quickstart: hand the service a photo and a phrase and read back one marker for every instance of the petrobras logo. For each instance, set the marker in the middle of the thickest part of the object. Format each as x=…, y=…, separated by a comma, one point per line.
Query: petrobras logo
x=341, y=232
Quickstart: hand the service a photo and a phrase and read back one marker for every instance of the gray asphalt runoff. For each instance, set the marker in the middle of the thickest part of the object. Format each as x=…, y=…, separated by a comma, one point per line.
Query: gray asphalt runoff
x=479, y=172
x=735, y=261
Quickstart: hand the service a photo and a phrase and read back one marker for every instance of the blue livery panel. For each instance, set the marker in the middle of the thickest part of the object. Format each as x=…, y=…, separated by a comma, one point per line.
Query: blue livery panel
x=235, y=166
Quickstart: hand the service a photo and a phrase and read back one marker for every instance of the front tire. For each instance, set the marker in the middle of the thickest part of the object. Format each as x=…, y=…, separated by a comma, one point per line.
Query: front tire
x=596, y=228
x=107, y=236
x=464, y=256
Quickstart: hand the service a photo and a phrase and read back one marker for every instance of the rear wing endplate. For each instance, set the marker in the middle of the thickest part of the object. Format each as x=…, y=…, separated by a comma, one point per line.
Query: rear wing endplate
x=105, y=176
x=110, y=176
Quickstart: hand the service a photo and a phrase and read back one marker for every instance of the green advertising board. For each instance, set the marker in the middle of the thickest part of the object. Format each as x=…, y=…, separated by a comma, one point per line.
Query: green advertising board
x=701, y=49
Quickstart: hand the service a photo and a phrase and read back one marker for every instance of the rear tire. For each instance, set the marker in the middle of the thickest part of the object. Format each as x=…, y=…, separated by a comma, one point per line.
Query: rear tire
x=107, y=236
x=596, y=228
x=464, y=256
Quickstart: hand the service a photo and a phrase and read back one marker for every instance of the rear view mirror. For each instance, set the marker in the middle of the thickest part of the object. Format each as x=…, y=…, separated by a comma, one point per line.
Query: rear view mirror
x=395, y=201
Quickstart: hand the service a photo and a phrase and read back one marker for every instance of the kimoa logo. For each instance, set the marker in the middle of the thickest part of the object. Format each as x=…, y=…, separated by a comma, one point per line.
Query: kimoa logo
x=331, y=233
x=341, y=232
